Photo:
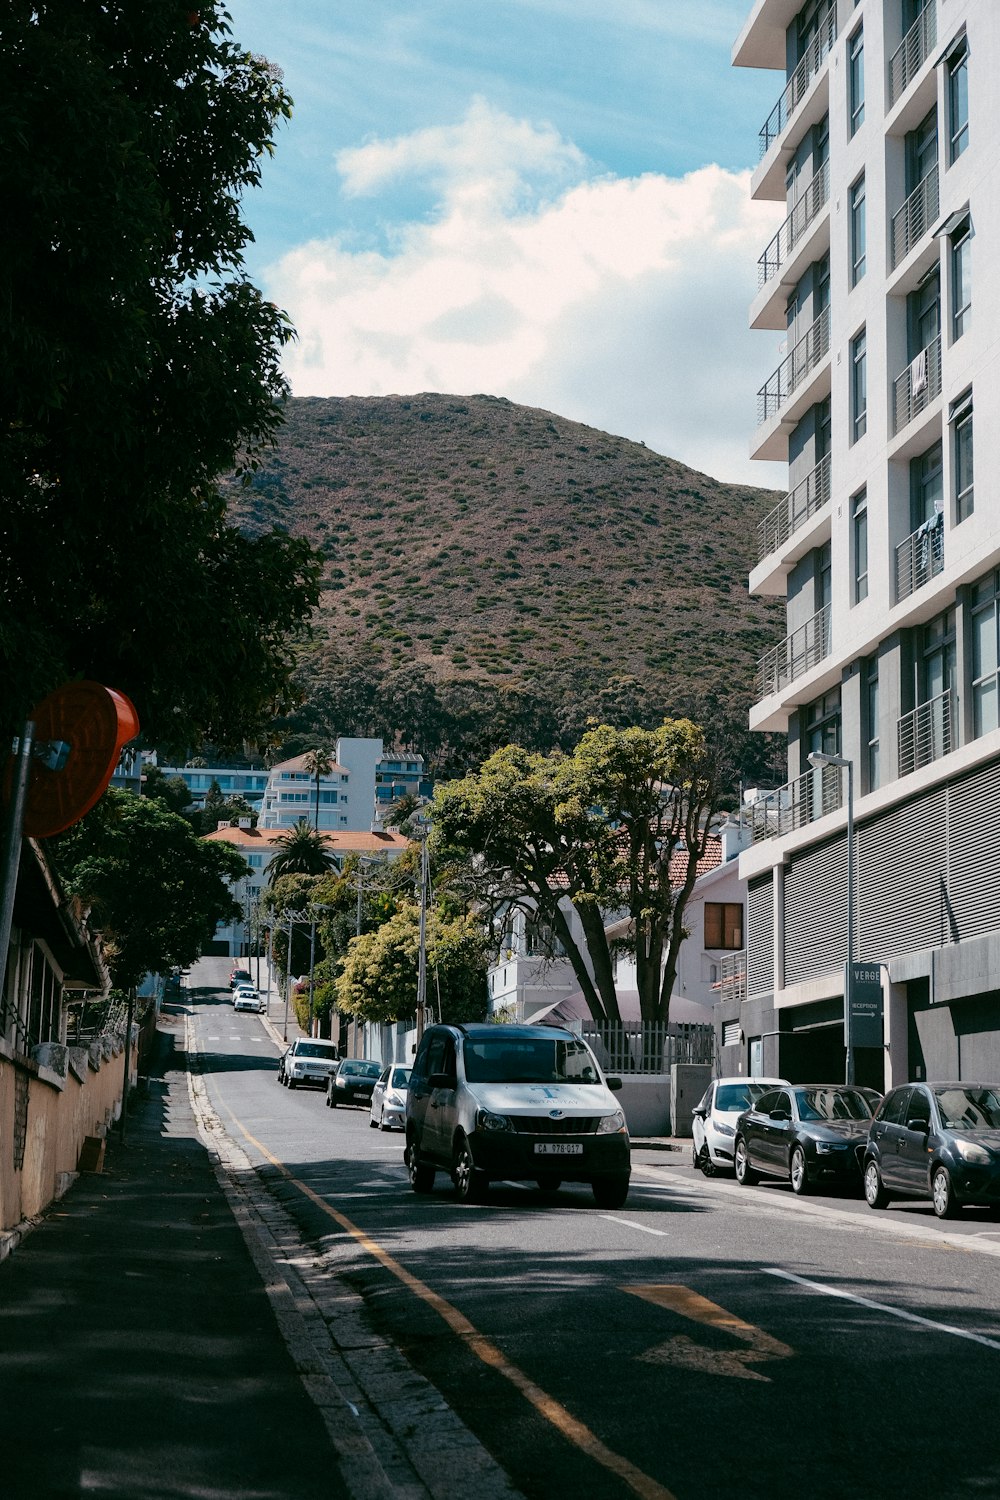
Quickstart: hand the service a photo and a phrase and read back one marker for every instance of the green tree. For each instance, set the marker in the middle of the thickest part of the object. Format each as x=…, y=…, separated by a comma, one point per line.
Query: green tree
x=157, y=892
x=378, y=978
x=172, y=791
x=318, y=763
x=300, y=851
x=137, y=364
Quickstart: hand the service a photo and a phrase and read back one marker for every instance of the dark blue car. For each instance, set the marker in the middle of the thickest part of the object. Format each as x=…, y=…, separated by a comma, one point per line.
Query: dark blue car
x=935, y=1140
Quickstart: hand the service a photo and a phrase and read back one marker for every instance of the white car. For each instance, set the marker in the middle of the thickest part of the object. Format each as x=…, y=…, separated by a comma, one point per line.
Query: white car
x=308, y=1063
x=245, y=997
x=389, y=1099
x=713, y=1120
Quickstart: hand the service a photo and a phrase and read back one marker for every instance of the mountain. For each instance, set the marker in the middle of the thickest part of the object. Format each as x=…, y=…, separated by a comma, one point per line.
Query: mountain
x=525, y=569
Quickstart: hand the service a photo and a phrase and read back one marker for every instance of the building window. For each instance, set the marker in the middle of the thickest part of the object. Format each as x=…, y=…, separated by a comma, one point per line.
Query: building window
x=255, y=861
x=961, y=426
x=723, y=924
x=961, y=279
x=859, y=237
x=926, y=487
x=856, y=79
x=859, y=541
x=872, y=722
x=985, y=654
x=958, y=98
x=937, y=665
x=821, y=726
x=859, y=386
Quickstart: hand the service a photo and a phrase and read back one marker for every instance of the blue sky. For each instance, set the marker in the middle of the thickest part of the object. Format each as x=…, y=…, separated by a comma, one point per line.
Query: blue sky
x=539, y=199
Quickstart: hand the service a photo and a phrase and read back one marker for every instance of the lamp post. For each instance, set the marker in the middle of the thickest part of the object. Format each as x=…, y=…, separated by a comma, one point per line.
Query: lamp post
x=820, y=758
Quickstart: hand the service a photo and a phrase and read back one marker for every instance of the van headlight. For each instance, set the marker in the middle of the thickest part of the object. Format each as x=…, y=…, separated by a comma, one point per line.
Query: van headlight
x=487, y=1120
x=612, y=1124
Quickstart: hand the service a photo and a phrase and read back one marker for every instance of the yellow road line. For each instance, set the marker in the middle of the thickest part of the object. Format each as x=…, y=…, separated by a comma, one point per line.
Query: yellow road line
x=546, y=1406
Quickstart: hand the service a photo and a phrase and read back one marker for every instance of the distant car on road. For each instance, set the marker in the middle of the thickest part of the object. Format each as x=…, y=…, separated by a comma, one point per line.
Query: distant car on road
x=245, y=997
x=240, y=976
x=389, y=1098
x=713, y=1120
x=807, y=1134
x=353, y=1082
x=935, y=1140
x=309, y=1062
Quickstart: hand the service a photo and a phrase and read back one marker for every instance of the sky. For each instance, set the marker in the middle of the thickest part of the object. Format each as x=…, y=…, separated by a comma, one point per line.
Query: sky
x=546, y=200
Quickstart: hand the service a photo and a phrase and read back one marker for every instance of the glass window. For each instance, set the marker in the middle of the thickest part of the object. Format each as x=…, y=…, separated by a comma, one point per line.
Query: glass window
x=859, y=386
x=505, y=1059
x=892, y=1110
x=859, y=235
x=872, y=721
x=958, y=100
x=937, y=665
x=969, y=1108
x=859, y=539
x=962, y=429
x=926, y=486
x=831, y=1104
x=985, y=654
x=961, y=280
x=723, y=924
x=856, y=79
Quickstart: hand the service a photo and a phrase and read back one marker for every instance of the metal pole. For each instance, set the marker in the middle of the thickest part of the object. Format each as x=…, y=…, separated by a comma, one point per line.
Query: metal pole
x=288, y=979
x=422, y=951
x=849, y=980
x=312, y=967
x=12, y=852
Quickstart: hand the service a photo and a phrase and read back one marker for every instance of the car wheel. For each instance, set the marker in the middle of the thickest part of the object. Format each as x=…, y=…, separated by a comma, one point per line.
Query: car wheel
x=798, y=1172
x=421, y=1175
x=943, y=1197
x=470, y=1182
x=610, y=1192
x=381, y=1124
x=331, y=1099
x=290, y=1082
x=745, y=1174
x=704, y=1161
x=372, y=1122
x=549, y=1182
x=875, y=1193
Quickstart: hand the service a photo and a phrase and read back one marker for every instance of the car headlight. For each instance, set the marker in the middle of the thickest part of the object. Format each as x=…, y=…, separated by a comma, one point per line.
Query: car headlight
x=723, y=1129
x=612, y=1124
x=969, y=1151
x=487, y=1120
x=823, y=1148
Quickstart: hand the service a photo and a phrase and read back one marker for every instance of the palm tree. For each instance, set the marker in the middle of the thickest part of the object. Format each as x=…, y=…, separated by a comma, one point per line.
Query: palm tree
x=318, y=763
x=300, y=851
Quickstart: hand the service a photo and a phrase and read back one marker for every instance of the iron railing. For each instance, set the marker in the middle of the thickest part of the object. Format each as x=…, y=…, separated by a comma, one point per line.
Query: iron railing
x=647, y=1046
x=800, y=81
x=920, y=557
x=928, y=732
x=806, y=207
x=913, y=220
x=808, y=496
x=912, y=52
x=796, y=654
x=811, y=349
x=803, y=800
x=916, y=386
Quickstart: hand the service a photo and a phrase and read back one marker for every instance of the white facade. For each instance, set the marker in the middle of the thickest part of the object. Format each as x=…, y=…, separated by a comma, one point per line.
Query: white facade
x=346, y=792
x=884, y=148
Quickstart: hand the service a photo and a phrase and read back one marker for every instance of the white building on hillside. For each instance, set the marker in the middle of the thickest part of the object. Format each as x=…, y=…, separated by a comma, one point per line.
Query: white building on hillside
x=346, y=792
x=884, y=149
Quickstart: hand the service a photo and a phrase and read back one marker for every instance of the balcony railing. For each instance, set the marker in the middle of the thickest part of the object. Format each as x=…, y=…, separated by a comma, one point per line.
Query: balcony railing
x=801, y=802
x=732, y=981
x=804, y=211
x=796, y=654
x=920, y=557
x=912, y=52
x=927, y=733
x=794, y=510
x=911, y=222
x=811, y=349
x=800, y=80
x=917, y=386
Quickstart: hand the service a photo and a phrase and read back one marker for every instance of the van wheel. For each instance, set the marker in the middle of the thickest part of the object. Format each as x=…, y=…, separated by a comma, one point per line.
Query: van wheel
x=610, y=1192
x=470, y=1183
x=549, y=1182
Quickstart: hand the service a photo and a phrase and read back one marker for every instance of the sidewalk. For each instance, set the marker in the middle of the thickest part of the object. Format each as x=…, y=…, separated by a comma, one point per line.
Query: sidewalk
x=140, y=1356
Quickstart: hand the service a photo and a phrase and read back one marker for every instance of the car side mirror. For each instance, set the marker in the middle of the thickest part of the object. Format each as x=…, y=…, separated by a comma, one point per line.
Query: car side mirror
x=923, y=1127
x=614, y=1084
x=441, y=1081
x=780, y=1114
x=699, y=1113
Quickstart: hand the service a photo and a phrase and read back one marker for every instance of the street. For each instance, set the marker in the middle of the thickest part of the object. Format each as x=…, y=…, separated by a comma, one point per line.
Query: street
x=705, y=1340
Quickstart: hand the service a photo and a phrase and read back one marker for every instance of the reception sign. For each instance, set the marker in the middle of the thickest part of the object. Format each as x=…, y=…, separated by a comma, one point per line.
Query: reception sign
x=863, y=1005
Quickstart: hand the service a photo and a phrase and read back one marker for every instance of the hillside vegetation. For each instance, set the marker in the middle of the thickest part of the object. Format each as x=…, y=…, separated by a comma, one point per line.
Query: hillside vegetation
x=496, y=571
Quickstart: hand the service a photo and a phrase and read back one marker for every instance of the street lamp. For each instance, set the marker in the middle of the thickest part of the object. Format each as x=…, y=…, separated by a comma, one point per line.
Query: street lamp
x=820, y=758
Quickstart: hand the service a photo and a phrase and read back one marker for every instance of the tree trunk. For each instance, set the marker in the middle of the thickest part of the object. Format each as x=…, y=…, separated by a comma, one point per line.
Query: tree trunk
x=590, y=993
x=592, y=923
x=648, y=972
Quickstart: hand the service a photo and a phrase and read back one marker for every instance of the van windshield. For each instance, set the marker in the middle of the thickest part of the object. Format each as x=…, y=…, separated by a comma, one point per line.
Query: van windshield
x=528, y=1060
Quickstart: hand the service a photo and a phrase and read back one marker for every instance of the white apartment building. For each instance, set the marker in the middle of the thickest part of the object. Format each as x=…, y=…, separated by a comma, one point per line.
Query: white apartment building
x=884, y=148
x=346, y=792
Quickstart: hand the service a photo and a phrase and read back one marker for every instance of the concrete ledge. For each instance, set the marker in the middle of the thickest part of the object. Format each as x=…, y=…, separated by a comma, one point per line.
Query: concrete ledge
x=79, y=1059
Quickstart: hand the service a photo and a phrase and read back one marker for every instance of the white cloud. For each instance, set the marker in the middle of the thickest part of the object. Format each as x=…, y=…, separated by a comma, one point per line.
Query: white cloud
x=621, y=303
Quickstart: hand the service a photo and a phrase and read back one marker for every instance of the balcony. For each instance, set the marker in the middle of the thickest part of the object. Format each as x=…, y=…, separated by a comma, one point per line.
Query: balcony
x=912, y=52
x=929, y=732
x=917, y=386
x=799, y=82
x=811, y=349
x=796, y=805
x=794, y=510
x=813, y=198
x=911, y=222
x=795, y=655
x=920, y=557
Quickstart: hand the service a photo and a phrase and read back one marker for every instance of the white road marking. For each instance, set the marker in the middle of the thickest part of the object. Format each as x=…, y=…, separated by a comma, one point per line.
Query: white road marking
x=896, y=1312
x=631, y=1224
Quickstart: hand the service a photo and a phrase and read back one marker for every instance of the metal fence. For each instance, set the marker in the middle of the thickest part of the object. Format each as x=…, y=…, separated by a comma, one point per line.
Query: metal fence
x=648, y=1046
x=912, y=52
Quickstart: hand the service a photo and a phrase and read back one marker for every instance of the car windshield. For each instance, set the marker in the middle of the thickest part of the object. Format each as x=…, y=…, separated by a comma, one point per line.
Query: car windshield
x=732, y=1097
x=317, y=1049
x=832, y=1104
x=400, y=1078
x=532, y=1059
x=969, y=1108
x=361, y=1069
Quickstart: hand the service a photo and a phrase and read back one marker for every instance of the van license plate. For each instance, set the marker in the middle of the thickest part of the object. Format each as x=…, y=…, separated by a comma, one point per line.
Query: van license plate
x=558, y=1148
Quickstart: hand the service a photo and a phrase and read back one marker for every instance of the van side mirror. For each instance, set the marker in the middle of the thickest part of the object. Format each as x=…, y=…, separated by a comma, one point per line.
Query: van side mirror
x=614, y=1084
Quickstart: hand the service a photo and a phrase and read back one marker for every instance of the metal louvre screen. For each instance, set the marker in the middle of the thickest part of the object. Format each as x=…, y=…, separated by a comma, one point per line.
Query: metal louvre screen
x=760, y=935
x=816, y=911
x=902, y=865
x=973, y=855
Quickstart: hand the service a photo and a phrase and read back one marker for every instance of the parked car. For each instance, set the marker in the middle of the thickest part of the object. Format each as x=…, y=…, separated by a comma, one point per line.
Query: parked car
x=389, y=1099
x=240, y=976
x=935, y=1140
x=713, y=1120
x=309, y=1062
x=353, y=1082
x=810, y=1133
x=525, y=1102
x=245, y=997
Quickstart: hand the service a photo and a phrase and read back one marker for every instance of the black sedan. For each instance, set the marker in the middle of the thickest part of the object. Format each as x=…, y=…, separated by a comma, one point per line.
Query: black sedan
x=939, y=1141
x=807, y=1134
x=353, y=1082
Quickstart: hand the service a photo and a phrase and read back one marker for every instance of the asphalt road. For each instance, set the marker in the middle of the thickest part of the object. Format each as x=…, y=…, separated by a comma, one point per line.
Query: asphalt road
x=704, y=1341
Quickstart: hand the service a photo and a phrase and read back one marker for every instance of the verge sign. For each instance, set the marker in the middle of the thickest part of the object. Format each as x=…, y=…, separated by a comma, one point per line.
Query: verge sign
x=863, y=1007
